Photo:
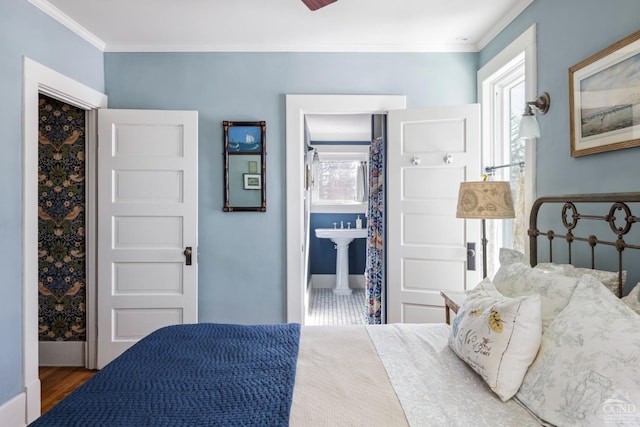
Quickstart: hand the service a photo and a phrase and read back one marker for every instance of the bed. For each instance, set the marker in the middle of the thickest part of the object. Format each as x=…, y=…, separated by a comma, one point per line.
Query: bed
x=550, y=344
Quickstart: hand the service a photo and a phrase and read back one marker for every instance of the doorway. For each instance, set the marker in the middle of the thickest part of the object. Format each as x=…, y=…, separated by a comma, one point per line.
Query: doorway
x=40, y=79
x=337, y=194
x=62, y=236
x=297, y=106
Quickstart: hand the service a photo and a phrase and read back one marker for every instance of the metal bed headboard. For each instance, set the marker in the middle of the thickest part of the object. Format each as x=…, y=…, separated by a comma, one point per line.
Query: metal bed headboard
x=618, y=216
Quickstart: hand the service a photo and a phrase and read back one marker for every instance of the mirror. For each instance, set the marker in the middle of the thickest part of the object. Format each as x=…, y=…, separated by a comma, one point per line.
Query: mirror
x=245, y=166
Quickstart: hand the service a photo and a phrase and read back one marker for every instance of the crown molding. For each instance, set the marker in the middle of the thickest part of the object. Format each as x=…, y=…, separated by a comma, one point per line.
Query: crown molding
x=293, y=47
x=513, y=13
x=68, y=22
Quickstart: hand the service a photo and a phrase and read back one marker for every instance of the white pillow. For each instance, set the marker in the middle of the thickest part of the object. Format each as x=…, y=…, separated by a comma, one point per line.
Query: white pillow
x=497, y=337
x=515, y=280
x=633, y=299
x=588, y=369
x=510, y=256
x=607, y=278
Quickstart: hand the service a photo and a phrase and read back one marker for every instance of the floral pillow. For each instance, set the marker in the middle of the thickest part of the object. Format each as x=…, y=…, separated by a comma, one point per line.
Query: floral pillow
x=607, y=278
x=497, y=337
x=517, y=279
x=588, y=369
x=510, y=256
x=633, y=299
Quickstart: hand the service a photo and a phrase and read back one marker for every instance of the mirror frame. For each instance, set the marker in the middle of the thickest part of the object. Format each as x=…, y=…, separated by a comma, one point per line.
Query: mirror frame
x=229, y=151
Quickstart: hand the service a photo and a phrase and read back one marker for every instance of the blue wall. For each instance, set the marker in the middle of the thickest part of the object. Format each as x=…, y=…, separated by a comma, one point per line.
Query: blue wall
x=243, y=255
x=322, y=255
x=570, y=31
x=25, y=31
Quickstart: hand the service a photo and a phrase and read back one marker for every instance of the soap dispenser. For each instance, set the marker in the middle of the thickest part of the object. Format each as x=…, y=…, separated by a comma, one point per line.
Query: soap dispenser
x=358, y=222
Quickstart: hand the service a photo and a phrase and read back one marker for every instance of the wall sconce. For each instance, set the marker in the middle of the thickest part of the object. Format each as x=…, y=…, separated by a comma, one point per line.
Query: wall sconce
x=529, y=127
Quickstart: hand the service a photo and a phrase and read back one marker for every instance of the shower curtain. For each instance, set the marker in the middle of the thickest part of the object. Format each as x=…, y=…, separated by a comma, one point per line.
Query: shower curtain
x=374, y=271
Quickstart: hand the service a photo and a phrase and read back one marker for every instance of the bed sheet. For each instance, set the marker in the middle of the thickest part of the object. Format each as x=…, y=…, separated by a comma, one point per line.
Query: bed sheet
x=392, y=375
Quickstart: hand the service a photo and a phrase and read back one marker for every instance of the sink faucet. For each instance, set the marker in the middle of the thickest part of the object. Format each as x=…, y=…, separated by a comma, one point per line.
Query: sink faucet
x=341, y=224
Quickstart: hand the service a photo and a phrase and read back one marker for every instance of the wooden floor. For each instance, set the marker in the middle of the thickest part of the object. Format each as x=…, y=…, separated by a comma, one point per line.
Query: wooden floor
x=57, y=382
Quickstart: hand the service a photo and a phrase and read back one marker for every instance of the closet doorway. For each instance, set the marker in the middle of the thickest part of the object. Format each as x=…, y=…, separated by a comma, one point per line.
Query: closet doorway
x=62, y=233
x=39, y=79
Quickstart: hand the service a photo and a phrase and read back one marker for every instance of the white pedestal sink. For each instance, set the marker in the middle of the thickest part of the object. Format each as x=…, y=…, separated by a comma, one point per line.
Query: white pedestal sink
x=342, y=237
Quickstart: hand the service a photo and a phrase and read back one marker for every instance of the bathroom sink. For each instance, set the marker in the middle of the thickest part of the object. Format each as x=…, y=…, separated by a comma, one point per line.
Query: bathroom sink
x=341, y=237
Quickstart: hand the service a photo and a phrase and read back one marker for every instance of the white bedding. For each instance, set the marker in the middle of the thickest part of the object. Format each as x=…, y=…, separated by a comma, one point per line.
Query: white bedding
x=435, y=387
x=392, y=375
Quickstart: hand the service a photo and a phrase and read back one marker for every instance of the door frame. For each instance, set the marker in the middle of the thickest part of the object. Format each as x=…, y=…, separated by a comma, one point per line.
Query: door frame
x=296, y=108
x=39, y=79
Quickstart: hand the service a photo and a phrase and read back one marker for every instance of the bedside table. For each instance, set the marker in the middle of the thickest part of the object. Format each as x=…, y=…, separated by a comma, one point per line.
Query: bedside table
x=452, y=302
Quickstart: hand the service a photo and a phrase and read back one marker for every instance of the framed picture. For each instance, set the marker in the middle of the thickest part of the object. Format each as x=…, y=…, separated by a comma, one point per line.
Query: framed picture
x=244, y=137
x=245, y=167
x=253, y=166
x=604, y=99
x=252, y=181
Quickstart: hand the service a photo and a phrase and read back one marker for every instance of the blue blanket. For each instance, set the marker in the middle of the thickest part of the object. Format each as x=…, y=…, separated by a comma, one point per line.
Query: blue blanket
x=191, y=375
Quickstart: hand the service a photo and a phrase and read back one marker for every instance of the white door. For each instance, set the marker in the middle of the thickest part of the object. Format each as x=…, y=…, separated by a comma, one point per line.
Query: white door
x=147, y=223
x=430, y=152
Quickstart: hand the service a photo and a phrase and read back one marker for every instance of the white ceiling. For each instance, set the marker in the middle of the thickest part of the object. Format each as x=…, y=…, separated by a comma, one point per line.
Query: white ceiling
x=288, y=26
x=285, y=25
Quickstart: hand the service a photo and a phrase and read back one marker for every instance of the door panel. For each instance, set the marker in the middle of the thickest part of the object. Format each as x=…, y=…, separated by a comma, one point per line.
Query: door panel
x=147, y=216
x=430, y=152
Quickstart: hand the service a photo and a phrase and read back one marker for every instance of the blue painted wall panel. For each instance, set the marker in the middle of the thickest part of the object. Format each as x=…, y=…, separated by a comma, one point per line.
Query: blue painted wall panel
x=242, y=272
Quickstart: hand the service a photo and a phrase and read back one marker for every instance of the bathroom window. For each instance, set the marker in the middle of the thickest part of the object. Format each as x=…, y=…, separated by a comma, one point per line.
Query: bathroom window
x=340, y=180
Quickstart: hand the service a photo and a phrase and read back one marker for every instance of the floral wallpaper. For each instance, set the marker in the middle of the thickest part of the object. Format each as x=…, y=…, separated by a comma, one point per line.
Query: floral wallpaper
x=61, y=221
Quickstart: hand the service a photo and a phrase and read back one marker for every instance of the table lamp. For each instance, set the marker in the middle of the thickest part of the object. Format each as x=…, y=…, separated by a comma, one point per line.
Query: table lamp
x=485, y=200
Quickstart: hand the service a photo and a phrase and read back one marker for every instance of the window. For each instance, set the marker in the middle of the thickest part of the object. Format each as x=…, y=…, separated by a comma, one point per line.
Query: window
x=339, y=181
x=504, y=84
x=508, y=148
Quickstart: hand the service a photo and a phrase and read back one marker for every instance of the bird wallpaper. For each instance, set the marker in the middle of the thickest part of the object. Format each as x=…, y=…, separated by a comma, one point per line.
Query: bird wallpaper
x=61, y=222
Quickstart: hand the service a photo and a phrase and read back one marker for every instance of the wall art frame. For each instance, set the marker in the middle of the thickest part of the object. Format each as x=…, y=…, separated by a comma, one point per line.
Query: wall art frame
x=604, y=99
x=245, y=166
x=252, y=181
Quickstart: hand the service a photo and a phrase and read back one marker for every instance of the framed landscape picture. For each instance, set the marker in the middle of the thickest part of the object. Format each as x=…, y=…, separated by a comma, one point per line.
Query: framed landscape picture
x=604, y=99
x=252, y=181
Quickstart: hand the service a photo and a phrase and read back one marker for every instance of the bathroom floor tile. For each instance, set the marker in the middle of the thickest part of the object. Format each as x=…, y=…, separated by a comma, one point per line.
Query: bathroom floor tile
x=330, y=309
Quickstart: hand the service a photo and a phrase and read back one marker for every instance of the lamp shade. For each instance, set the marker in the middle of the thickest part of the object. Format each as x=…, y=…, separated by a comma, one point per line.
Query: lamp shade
x=529, y=127
x=485, y=200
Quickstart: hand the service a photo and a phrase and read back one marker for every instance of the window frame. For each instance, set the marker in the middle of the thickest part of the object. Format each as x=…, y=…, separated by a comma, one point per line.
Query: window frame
x=492, y=78
x=341, y=153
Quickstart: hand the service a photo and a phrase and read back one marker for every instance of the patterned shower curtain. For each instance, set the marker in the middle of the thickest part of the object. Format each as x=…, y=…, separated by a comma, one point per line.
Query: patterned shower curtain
x=374, y=271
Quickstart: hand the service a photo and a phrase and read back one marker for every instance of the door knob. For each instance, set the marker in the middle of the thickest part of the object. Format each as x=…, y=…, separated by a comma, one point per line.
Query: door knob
x=187, y=253
x=471, y=256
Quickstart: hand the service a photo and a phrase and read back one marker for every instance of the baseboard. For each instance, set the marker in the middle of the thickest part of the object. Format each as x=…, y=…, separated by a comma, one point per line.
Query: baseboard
x=33, y=391
x=323, y=281
x=61, y=353
x=12, y=413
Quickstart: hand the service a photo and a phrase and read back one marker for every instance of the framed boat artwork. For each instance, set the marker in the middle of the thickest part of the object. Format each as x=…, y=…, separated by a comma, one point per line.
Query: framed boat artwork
x=244, y=137
x=604, y=98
